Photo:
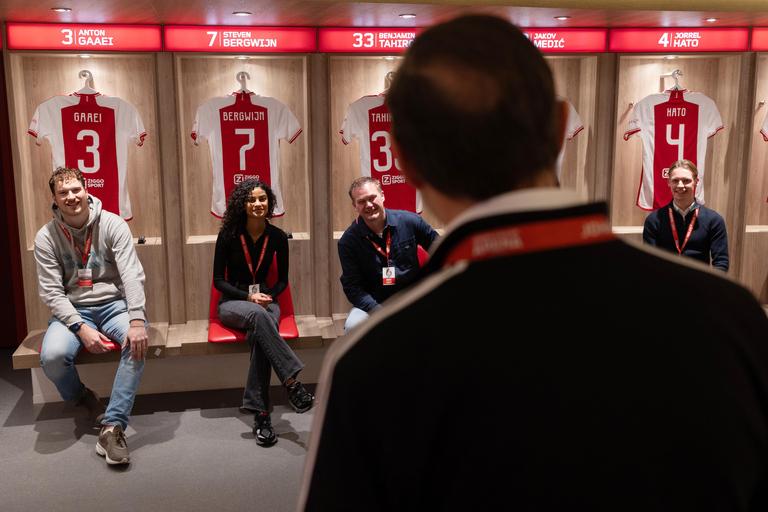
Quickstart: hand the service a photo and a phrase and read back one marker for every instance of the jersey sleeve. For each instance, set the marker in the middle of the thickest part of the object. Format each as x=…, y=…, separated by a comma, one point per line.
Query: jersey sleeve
x=350, y=127
x=712, y=121
x=764, y=129
x=138, y=132
x=200, y=127
x=288, y=126
x=40, y=125
x=573, y=125
x=637, y=120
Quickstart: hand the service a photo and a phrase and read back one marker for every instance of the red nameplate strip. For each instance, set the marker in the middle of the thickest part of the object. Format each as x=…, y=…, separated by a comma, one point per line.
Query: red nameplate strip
x=366, y=40
x=79, y=37
x=568, y=40
x=679, y=40
x=536, y=236
x=240, y=39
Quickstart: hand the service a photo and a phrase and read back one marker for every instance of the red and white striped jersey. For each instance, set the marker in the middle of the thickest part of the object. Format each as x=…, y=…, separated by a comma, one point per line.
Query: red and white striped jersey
x=672, y=125
x=91, y=132
x=368, y=121
x=243, y=131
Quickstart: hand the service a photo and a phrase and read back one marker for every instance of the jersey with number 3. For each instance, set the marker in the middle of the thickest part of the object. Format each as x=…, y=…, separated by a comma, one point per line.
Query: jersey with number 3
x=672, y=125
x=368, y=121
x=92, y=132
x=243, y=131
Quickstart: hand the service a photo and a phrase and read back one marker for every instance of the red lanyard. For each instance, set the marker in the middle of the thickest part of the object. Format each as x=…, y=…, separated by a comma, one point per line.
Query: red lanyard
x=248, y=255
x=87, y=244
x=674, y=229
x=378, y=249
x=536, y=236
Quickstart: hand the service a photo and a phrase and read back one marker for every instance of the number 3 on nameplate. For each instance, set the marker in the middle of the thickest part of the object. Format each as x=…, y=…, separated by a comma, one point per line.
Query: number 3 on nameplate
x=250, y=132
x=93, y=149
x=386, y=151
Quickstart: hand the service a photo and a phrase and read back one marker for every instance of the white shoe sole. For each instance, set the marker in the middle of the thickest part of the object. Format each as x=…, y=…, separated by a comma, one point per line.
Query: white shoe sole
x=101, y=451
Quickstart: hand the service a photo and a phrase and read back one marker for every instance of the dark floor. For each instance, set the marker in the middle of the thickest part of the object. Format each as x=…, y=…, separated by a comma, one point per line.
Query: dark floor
x=190, y=451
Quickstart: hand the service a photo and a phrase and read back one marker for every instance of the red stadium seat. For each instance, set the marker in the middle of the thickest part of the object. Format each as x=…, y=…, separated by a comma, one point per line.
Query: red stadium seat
x=219, y=333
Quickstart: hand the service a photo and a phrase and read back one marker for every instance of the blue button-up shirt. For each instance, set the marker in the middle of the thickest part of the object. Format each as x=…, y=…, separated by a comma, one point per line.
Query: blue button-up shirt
x=361, y=263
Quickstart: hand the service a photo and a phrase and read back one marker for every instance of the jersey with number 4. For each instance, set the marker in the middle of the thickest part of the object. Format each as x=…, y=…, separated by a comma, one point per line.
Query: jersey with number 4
x=672, y=125
x=92, y=132
x=368, y=121
x=243, y=131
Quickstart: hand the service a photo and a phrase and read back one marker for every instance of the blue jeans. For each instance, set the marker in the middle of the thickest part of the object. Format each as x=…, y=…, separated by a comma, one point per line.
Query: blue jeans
x=268, y=348
x=60, y=346
x=355, y=317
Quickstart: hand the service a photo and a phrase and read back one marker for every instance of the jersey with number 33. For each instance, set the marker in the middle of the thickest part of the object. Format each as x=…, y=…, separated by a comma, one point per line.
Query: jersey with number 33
x=243, y=131
x=92, y=132
x=672, y=125
x=368, y=121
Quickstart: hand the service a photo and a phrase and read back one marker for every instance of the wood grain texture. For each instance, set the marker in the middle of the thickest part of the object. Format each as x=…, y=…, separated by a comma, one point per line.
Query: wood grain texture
x=757, y=188
x=754, y=271
x=202, y=77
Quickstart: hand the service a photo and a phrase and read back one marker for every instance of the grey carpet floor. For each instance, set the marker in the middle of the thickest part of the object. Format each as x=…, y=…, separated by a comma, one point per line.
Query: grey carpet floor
x=189, y=451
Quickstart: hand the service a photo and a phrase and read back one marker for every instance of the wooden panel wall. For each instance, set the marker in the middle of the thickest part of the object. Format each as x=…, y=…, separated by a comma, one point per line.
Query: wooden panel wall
x=35, y=78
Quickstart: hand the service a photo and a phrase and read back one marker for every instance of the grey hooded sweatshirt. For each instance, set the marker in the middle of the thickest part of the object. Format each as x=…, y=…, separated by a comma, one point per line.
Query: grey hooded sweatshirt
x=117, y=271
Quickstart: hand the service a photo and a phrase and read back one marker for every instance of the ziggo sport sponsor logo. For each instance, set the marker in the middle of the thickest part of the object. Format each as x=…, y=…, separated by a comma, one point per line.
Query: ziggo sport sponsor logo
x=94, y=183
x=243, y=177
x=392, y=179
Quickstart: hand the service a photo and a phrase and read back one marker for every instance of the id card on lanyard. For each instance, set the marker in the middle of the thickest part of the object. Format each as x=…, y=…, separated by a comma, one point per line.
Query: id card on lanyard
x=255, y=287
x=388, y=272
x=687, y=234
x=85, y=274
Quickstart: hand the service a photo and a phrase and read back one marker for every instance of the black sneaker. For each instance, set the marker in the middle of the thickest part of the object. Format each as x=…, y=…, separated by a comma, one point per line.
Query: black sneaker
x=301, y=400
x=89, y=402
x=262, y=429
x=112, y=446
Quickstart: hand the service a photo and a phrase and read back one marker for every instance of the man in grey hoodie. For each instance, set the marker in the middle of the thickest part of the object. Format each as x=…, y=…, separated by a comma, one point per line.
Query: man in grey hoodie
x=91, y=279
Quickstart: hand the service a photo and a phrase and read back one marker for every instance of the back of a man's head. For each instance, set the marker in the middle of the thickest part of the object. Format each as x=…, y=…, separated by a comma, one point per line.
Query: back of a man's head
x=473, y=108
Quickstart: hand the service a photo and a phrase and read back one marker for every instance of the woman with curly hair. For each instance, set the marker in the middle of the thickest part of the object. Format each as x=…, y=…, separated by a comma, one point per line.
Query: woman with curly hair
x=246, y=245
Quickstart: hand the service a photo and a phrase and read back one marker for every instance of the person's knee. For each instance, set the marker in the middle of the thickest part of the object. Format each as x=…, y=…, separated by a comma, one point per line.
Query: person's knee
x=55, y=356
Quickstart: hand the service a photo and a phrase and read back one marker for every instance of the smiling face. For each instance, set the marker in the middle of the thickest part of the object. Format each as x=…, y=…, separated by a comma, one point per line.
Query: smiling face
x=682, y=183
x=71, y=198
x=257, y=204
x=369, y=203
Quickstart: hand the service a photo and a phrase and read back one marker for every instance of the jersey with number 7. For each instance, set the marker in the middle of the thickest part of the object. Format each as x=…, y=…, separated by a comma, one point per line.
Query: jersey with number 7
x=243, y=131
x=92, y=132
x=671, y=125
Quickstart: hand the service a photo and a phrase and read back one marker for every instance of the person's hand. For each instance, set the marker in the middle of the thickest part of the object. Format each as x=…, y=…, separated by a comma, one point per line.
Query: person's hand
x=138, y=338
x=93, y=340
x=262, y=299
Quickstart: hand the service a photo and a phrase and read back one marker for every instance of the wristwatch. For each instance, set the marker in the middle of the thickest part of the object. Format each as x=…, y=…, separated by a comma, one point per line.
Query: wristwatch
x=76, y=326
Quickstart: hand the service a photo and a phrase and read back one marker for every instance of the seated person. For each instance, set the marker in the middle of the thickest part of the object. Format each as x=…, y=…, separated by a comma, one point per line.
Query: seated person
x=93, y=282
x=246, y=245
x=686, y=227
x=378, y=252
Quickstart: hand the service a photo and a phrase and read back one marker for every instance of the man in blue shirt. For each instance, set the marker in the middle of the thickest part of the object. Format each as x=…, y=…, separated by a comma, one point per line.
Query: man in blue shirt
x=379, y=251
x=686, y=227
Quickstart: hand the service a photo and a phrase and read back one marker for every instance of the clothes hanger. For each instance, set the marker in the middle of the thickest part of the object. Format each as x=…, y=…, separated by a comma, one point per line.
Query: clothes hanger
x=388, y=80
x=241, y=77
x=675, y=74
x=84, y=73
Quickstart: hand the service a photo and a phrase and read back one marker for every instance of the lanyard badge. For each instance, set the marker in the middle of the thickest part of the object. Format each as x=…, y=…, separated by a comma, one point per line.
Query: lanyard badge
x=255, y=287
x=687, y=234
x=388, y=272
x=85, y=274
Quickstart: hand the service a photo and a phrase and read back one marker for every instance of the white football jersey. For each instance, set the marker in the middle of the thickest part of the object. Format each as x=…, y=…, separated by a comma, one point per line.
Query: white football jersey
x=91, y=132
x=243, y=131
x=573, y=126
x=368, y=121
x=672, y=125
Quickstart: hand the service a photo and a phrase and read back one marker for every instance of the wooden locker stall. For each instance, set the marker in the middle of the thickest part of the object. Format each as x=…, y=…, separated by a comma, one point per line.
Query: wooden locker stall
x=200, y=77
x=34, y=77
x=720, y=76
x=575, y=80
x=754, y=269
